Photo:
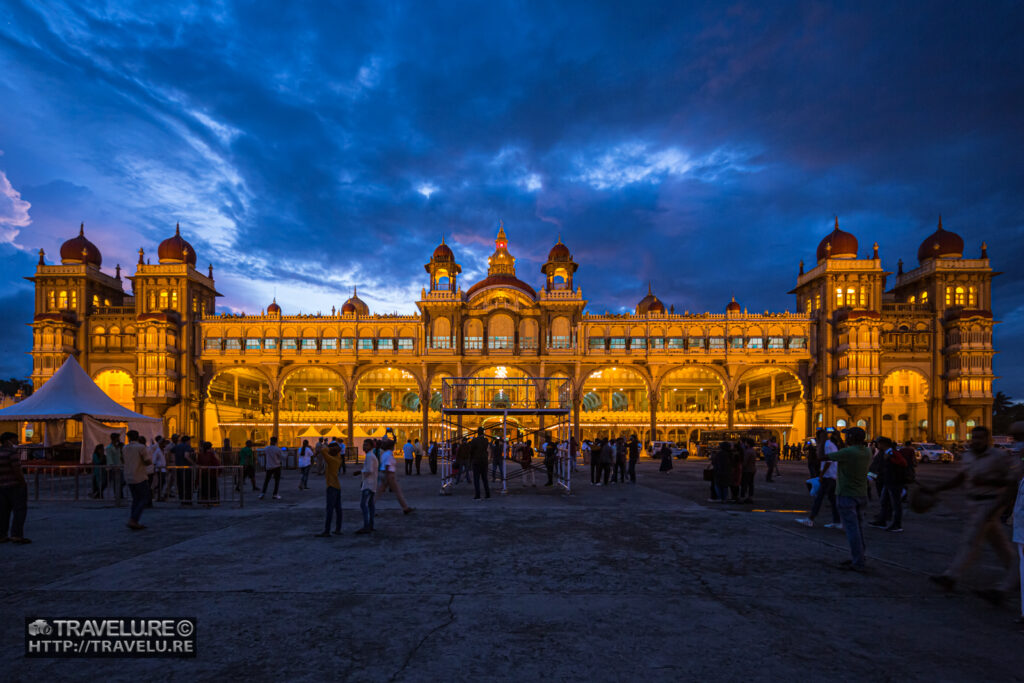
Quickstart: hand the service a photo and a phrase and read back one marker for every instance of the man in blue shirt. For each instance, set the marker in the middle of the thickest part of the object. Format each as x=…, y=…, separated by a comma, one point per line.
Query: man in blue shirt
x=407, y=453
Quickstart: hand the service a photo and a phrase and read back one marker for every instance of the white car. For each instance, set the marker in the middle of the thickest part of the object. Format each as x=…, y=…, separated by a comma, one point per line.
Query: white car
x=930, y=452
x=678, y=453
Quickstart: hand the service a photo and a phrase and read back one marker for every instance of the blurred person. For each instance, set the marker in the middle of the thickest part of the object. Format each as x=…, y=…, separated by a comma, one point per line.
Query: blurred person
x=665, y=454
x=305, y=463
x=432, y=454
x=332, y=463
x=634, y=457
x=387, y=465
x=368, y=485
x=184, y=460
x=136, y=460
x=748, y=471
x=272, y=458
x=113, y=454
x=13, y=492
x=479, y=448
x=208, y=464
x=551, y=457
x=894, y=476
x=247, y=459
x=852, y=487
x=417, y=452
x=99, y=471
x=407, y=455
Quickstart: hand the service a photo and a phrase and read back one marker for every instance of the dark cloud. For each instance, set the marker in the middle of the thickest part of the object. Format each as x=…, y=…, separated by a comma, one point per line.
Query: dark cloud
x=704, y=148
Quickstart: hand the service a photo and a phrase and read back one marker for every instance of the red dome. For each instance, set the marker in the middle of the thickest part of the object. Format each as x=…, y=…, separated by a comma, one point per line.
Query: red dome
x=355, y=305
x=844, y=245
x=941, y=244
x=733, y=306
x=273, y=307
x=176, y=249
x=559, y=252
x=443, y=252
x=650, y=304
x=502, y=280
x=80, y=250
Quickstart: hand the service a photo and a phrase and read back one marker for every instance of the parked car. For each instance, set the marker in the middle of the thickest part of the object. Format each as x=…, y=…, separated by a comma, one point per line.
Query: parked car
x=930, y=452
x=678, y=451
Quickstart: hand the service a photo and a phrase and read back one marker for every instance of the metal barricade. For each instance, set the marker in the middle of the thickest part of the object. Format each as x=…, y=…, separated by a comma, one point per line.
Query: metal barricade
x=67, y=483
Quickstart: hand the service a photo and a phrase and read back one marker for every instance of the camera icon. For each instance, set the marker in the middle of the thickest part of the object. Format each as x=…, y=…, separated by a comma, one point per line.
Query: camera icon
x=40, y=627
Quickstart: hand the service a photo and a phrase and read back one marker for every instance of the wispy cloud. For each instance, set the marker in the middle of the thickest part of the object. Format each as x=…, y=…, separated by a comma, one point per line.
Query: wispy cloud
x=13, y=212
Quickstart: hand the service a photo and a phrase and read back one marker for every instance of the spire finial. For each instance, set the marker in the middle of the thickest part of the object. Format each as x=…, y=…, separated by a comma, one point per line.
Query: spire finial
x=875, y=250
x=43, y=253
x=649, y=287
x=801, y=266
x=899, y=266
x=141, y=254
x=81, y=229
x=837, y=222
x=559, y=237
x=940, y=222
x=177, y=229
x=442, y=238
x=117, y=271
x=355, y=290
x=984, y=250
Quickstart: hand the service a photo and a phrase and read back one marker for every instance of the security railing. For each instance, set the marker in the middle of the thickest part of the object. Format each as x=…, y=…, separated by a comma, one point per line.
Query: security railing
x=204, y=485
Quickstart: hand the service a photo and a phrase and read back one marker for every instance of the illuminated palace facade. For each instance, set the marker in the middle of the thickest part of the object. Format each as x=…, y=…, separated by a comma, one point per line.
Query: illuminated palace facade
x=911, y=361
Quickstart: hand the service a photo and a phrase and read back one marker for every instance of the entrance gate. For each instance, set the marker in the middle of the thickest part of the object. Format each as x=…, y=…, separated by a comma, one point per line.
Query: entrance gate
x=478, y=399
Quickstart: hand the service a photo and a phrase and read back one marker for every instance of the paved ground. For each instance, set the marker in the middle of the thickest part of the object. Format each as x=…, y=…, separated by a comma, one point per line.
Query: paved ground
x=619, y=583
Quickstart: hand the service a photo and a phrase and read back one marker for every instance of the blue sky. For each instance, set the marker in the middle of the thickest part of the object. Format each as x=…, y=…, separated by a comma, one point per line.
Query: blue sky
x=703, y=146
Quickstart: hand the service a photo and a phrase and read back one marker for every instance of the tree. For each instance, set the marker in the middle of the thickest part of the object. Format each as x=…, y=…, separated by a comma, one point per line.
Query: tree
x=10, y=387
x=1001, y=403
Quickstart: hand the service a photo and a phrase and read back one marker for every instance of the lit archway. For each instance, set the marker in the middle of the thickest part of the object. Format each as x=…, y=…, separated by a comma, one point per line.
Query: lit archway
x=388, y=397
x=240, y=407
x=614, y=402
x=688, y=396
x=905, y=400
x=771, y=399
x=118, y=385
x=311, y=397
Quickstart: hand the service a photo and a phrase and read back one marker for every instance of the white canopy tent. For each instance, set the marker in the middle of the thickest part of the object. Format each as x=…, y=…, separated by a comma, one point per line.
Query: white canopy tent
x=70, y=394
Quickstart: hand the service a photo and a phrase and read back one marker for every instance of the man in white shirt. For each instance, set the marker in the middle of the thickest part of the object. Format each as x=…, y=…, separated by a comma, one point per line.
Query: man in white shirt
x=387, y=466
x=305, y=462
x=369, y=486
x=827, y=486
x=135, y=463
x=272, y=461
x=158, y=470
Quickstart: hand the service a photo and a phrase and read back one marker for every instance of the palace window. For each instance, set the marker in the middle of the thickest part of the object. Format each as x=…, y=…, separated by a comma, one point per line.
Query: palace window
x=808, y=304
x=851, y=296
x=616, y=343
x=212, y=344
x=386, y=344
x=95, y=300
x=163, y=298
x=638, y=342
x=557, y=342
x=62, y=299
x=924, y=296
x=270, y=344
x=798, y=342
x=735, y=342
x=289, y=344
x=531, y=342
x=817, y=301
x=252, y=344
x=912, y=299
x=233, y=344
x=972, y=296
x=345, y=342
x=863, y=297
x=500, y=342
x=755, y=343
x=330, y=344
x=366, y=344
x=51, y=300
x=441, y=343
x=474, y=343
x=958, y=296
x=596, y=343
x=309, y=344
x=405, y=344
x=774, y=342
x=695, y=343
x=839, y=297
x=659, y=342
x=716, y=343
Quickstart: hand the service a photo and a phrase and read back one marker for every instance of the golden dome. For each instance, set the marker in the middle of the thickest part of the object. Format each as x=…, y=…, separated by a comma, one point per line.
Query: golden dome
x=80, y=250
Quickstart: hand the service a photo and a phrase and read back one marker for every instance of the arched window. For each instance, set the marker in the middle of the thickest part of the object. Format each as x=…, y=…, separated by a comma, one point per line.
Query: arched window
x=840, y=424
x=924, y=296
x=912, y=299
x=958, y=298
x=62, y=299
x=152, y=300
x=839, y=297
x=851, y=296
x=163, y=299
x=863, y=297
x=174, y=300
x=972, y=296
x=51, y=300
x=74, y=298
x=441, y=279
x=95, y=300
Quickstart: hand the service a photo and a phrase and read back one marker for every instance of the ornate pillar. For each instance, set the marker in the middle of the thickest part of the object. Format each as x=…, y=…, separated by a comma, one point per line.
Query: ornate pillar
x=425, y=408
x=350, y=401
x=730, y=408
x=276, y=408
x=652, y=403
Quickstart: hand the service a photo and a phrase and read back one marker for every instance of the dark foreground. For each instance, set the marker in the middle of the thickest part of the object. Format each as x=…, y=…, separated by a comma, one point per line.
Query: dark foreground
x=619, y=583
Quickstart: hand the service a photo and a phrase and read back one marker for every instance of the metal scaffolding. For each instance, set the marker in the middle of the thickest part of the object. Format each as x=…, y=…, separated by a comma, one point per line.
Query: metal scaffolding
x=469, y=400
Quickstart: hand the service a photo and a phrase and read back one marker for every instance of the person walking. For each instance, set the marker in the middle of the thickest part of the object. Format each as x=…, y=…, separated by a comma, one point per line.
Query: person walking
x=247, y=460
x=305, y=459
x=634, y=457
x=894, y=478
x=595, y=463
x=479, y=450
x=332, y=463
x=387, y=464
x=368, y=486
x=748, y=471
x=551, y=457
x=432, y=457
x=407, y=455
x=619, y=473
x=665, y=454
x=826, y=487
x=852, y=487
x=721, y=461
x=169, y=446
x=113, y=454
x=417, y=451
x=136, y=460
x=991, y=476
x=99, y=471
x=184, y=461
x=272, y=459
x=526, y=462
x=157, y=480
x=208, y=464
x=770, y=450
x=13, y=492
x=497, y=458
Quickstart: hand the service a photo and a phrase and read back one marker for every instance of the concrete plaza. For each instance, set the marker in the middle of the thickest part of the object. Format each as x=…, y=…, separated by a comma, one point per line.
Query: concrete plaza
x=645, y=582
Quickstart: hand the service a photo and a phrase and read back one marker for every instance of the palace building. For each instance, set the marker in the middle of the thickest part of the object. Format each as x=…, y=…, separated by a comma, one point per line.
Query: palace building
x=908, y=357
